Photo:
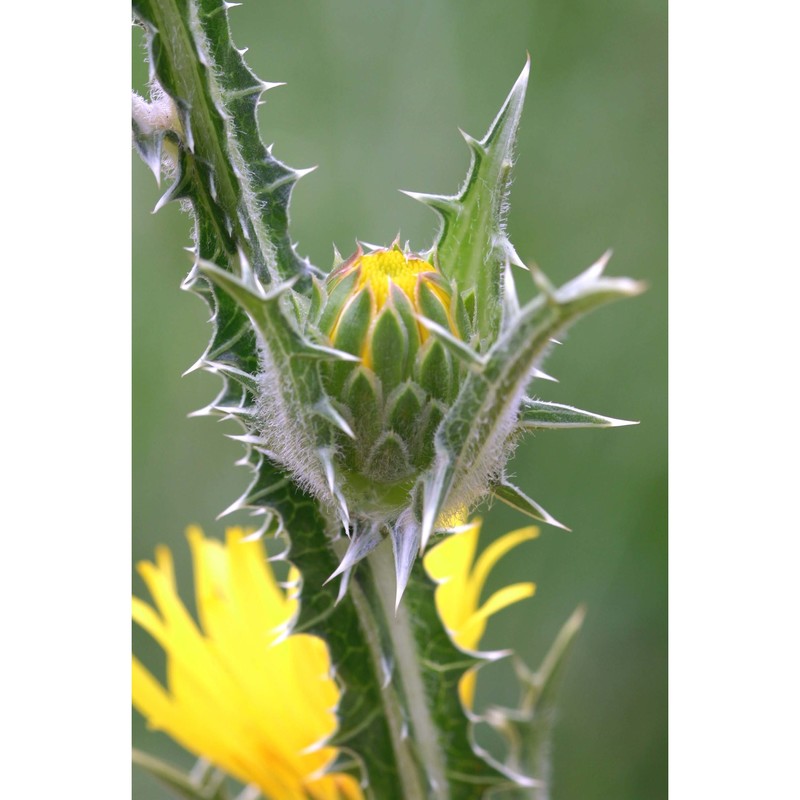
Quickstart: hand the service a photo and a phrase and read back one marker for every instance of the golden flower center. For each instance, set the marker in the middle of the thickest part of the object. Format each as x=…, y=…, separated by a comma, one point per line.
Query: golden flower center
x=379, y=267
x=418, y=281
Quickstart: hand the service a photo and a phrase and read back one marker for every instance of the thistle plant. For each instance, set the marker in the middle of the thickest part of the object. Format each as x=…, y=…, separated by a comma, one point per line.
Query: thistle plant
x=380, y=402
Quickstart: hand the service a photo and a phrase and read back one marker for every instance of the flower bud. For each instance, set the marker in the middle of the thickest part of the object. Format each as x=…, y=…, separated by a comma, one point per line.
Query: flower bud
x=395, y=397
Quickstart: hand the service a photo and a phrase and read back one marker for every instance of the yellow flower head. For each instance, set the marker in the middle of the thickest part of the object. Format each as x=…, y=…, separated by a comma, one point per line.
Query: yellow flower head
x=241, y=693
x=461, y=579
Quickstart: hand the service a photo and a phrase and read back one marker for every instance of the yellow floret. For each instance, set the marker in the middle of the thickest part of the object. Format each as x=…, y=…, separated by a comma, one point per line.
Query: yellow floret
x=378, y=267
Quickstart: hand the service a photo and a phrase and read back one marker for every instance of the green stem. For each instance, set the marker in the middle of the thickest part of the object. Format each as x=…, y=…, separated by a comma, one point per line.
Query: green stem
x=408, y=770
x=397, y=626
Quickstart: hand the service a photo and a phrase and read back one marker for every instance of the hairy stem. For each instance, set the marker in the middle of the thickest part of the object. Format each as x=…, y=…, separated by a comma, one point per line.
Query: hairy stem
x=403, y=647
x=411, y=780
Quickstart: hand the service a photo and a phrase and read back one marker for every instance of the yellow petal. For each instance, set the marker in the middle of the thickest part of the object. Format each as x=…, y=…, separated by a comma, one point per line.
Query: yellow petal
x=450, y=563
x=149, y=696
x=454, y=554
x=256, y=702
x=495, y=551
x=191, y=666
x=471, y=633
x=256, y=594
x=466, y=688
x=505, y=597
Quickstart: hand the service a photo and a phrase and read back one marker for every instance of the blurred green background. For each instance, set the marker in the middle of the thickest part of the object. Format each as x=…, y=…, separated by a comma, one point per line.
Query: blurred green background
x=376, y=90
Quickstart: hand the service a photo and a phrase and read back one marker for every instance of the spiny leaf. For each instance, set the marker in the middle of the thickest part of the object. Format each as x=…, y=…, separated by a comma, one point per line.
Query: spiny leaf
x=326, y=409
x=540, y=415
x=147, y=140
x=326, y=458
x=270, y=180
x=511, y=305
x=364, y=539
x=236, y=179
x=267, y=481
x=471, y=441
x=527, y=728
x=517, y=499
x=296, y=375
x=471, y=246
x=405, y=546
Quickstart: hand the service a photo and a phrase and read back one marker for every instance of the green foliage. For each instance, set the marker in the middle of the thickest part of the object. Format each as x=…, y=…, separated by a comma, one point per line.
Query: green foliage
x=350, y=460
